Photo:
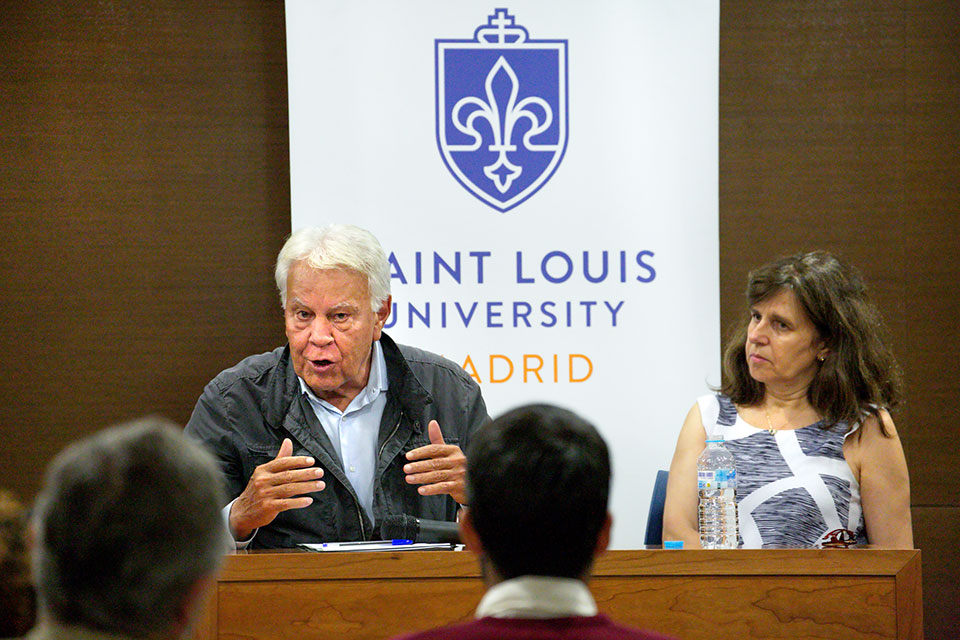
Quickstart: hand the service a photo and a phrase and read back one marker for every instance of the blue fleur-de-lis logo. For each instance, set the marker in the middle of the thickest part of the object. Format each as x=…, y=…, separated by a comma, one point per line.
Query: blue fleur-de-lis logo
x=502, y=110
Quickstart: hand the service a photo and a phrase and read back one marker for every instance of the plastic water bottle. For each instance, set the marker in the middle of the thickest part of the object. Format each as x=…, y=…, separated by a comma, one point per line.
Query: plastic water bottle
x=717, y=483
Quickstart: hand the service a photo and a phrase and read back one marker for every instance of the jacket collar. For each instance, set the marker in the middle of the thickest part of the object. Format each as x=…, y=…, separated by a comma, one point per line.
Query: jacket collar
x=279, y=388
x=404, y=385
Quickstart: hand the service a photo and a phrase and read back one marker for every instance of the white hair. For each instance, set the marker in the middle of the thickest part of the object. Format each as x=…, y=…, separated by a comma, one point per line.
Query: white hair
x=337, y=246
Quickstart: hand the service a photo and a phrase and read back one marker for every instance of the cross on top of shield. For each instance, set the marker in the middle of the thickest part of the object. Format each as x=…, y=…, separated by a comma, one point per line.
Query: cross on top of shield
x=501, y=110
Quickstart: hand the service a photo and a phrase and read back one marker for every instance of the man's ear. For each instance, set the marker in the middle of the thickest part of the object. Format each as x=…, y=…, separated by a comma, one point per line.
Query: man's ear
x=468, y=534
x=382, y=314
x=603, y=538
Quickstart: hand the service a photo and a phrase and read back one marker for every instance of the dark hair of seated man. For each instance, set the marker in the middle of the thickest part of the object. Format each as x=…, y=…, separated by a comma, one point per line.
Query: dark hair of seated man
x=538, y=484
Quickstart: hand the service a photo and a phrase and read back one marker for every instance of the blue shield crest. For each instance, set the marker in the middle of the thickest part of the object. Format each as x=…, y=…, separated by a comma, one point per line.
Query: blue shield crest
x=501, y=110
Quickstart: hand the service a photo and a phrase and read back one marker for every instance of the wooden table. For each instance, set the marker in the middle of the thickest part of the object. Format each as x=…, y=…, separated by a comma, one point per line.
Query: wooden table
x=796, y=593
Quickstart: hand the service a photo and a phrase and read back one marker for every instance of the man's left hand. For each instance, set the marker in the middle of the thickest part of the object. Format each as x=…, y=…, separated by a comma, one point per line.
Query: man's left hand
x=438, y=467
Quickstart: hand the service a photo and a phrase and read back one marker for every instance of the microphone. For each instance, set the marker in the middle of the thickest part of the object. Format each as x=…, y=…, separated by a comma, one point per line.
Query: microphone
x=405, y=527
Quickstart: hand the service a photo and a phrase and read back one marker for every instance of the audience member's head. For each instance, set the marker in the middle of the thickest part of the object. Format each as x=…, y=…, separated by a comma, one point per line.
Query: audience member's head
x=128, y=532
x=538, y=479
x=17, y=605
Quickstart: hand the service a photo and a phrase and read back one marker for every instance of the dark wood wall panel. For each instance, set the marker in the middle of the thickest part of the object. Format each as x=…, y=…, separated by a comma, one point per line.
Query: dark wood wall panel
x=144, y=192
x=811, y=140
x=931, y=171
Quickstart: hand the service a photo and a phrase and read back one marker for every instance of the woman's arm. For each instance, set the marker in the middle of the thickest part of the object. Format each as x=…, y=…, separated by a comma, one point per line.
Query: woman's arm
x=680, y=508
x=884, y=485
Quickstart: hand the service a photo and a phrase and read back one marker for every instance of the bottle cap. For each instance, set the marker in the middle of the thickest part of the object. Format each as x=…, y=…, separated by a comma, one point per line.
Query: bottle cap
x=673, y=544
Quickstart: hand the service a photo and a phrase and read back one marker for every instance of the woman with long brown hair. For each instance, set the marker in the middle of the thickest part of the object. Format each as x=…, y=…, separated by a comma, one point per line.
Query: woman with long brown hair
x=804, y=408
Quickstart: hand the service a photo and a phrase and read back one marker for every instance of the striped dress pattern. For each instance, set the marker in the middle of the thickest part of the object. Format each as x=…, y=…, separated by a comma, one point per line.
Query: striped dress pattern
x=794, y=487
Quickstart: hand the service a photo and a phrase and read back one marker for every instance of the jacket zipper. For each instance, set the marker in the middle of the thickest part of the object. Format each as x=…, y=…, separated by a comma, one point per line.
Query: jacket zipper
x=393, y=433
x=363, y=534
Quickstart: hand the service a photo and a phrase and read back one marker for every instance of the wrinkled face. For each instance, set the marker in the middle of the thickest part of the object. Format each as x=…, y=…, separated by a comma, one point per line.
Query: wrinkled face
x=782, y=343
x=331, y=330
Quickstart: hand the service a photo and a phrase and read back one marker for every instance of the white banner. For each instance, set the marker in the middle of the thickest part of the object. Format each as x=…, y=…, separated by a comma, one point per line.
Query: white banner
x=543, y=176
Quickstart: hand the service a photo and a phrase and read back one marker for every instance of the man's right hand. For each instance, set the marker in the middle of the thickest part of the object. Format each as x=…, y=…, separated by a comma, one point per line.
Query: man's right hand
x=274, y=487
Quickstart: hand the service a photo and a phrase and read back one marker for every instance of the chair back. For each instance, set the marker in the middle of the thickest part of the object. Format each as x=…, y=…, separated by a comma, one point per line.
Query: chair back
x=654, y=535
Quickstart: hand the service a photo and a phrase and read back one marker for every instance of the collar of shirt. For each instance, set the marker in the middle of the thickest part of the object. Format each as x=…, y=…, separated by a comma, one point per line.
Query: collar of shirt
x=537, y=597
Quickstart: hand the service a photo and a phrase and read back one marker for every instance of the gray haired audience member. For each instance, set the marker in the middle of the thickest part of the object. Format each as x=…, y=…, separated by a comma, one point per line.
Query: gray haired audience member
x=538, y=482
x=128, y=535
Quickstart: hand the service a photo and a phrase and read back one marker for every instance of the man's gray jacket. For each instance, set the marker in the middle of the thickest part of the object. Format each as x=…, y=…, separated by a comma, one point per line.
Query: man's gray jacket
x=245, y=413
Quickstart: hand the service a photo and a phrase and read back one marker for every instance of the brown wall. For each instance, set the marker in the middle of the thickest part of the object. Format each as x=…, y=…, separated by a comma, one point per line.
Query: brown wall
x=144, y=192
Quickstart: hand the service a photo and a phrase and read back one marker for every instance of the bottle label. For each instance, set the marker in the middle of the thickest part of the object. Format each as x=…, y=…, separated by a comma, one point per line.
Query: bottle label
x=717, y=479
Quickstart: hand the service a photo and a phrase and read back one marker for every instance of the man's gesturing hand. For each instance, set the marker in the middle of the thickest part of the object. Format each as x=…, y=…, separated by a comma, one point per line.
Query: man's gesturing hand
x=273, y=488
x=440, y=468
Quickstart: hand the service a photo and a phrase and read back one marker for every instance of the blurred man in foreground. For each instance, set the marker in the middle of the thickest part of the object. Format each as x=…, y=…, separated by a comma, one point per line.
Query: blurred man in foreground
x=538, y=480
x=127, y=536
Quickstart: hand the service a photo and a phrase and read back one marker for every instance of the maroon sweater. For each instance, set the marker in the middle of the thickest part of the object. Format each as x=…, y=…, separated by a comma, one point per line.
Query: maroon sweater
x=598, y=627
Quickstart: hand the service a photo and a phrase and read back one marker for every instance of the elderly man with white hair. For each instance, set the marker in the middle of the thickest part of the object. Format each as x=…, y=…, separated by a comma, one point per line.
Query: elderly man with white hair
x=321, y=439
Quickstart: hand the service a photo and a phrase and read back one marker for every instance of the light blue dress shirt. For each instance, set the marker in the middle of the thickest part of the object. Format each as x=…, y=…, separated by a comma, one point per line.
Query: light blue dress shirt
x=354, y=432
